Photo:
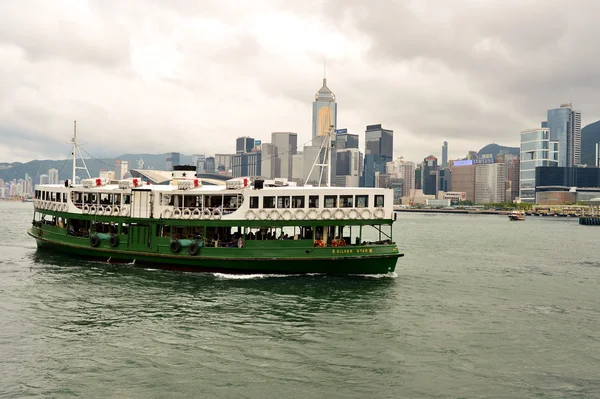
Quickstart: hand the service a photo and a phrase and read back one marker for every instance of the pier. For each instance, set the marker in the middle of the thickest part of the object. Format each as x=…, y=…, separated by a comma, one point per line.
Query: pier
x=594, y=218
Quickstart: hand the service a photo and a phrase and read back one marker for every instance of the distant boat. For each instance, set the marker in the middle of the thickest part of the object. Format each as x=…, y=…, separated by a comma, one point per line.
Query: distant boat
x=516, y=216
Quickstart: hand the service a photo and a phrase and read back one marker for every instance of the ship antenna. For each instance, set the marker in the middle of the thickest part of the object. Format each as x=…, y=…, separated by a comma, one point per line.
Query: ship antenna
x=75, y=146
x=74, y=151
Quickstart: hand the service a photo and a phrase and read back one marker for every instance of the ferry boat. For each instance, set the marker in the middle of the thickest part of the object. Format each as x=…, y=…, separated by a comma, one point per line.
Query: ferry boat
x=247, y=226
x=516, y=216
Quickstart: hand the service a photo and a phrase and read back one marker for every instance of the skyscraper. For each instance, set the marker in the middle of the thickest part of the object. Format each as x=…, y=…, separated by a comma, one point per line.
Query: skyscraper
x=53, y=176
x=286, y=143
x=121, y=169
x=244, y=144
x=565, y=128
x=173, y=159
x=429, y=177
x=445, y=154
x=379, y=144
x=346, y=140
x=536, y=150
x=324, y=115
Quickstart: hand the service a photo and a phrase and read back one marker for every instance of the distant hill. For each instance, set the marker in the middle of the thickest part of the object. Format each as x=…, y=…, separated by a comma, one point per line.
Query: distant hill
x=17, y=170
x=590, y=135
x=496, y=149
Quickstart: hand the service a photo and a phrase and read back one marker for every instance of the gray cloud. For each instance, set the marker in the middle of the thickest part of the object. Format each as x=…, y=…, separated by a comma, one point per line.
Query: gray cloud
x=191, y=76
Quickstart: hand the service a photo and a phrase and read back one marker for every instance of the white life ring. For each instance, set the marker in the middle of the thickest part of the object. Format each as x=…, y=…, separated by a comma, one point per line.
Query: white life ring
x=274, y=215
x=312, y=214
x=108, y=211
x=124, y=211
x=379, y=213
x=339, y=214
x=116, y=211
x=263, y=214
x=86, y=209
x=196, y=214
x=353, y=214
x=177, y=213
x=326, y=214
x=93, y=210
x=206, y=214
x=187, y=213
x=100, y=210
x=365, y=214
x=65, y=207
x=217, y=214
x=166, y=214
x=250, y=215
x=51, y=207
x=300, y=214
x=287, y=215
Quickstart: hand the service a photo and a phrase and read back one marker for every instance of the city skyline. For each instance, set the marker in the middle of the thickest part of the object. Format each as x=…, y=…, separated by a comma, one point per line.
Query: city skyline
x=462, y=64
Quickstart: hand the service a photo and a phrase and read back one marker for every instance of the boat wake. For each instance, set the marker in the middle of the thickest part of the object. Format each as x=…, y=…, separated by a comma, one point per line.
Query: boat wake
x=228, y=276
x=386, y=275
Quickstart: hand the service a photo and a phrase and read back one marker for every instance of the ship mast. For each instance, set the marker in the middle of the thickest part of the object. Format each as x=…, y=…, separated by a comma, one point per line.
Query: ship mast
x=75, y=146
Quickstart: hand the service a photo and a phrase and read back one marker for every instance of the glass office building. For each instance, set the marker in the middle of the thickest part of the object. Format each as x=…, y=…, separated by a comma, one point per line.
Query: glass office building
x=536, y=150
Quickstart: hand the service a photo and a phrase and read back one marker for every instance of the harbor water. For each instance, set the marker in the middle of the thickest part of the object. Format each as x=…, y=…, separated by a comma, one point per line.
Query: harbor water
x=479, y=307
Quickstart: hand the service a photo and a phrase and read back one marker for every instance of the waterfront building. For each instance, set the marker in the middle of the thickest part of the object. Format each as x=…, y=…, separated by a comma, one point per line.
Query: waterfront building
x=565, y=128
x=379, y=144
x=310, y=155
x=244, y=144
x=44, y=179
x=536, y=150
x=173, y=159
x=108, y=175
x=223, y=163
x=429, y=175
x=247, y=164
x=512, y=166
x=210, y=165
x=53, y=176
x=269, y=161
x=490, y=183
x=463, y=179
x=298, y=168
x=349, y=164
x=121, y=169
x=200, y=161
x=287, y=144
x=445, y=154
x=346, y=140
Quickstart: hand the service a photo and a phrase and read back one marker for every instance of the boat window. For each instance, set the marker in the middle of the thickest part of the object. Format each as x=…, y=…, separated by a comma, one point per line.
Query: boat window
x=105, y=199
x=64, y=197
x=77, y=197
x=93, y=199
x=126, y=199
x=283, y=202
x=268, y=202
x=253, y=202
x=379, y=201
x=298, y=201
x=345, y=201
x=190, y=201
x=213, y=201
x=313, y=201
x=362, y=201
x=230, y=202
x=330, y=201
x=116, y=199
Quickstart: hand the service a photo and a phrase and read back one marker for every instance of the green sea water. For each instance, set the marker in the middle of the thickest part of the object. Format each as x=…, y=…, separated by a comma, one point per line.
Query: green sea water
x=479, y=307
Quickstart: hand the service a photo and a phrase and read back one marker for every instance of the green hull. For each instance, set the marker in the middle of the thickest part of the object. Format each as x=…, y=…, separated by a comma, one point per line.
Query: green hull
x=256, y=257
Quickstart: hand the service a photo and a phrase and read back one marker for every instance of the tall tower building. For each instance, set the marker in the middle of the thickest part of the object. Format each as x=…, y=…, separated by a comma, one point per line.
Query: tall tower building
x=445, y=154
x=379, y=144
x=121, y=169
x=244, y=144
x=324, y=115
x=53, y=176
x=286, y=144
x=536, y=150
x=565, y=128
x=173, y=159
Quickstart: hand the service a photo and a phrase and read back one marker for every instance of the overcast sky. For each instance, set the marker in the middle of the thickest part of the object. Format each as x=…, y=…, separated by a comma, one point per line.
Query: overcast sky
x=191, y=76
